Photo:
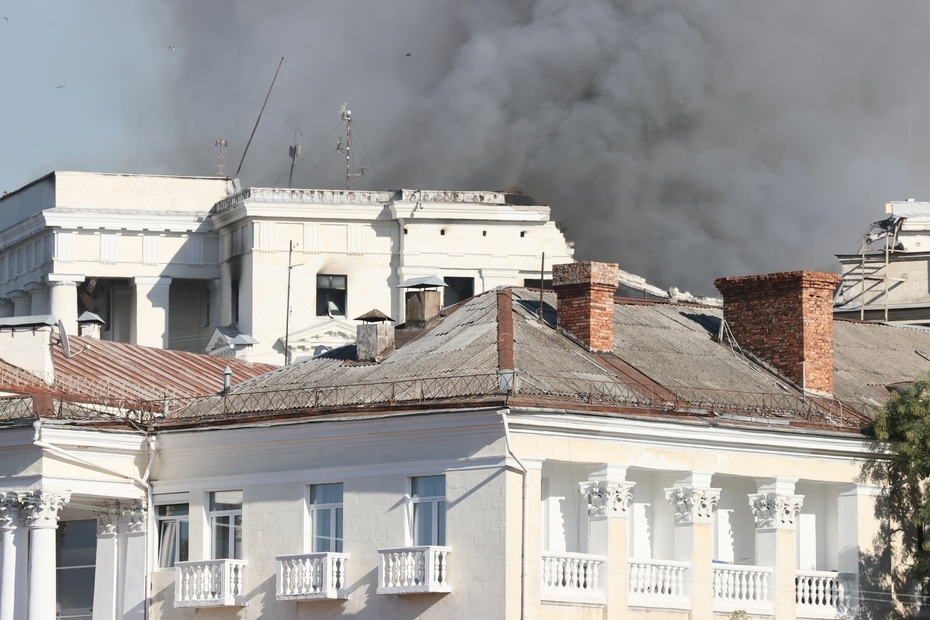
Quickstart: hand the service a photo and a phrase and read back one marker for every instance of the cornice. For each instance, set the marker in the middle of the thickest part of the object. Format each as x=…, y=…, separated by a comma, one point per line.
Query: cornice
x=136, y=221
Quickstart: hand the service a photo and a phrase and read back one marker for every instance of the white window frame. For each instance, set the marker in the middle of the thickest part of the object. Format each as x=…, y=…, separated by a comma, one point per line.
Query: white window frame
x=171, y=500
x=232, y=514
x=312, y=509
x=434, y=500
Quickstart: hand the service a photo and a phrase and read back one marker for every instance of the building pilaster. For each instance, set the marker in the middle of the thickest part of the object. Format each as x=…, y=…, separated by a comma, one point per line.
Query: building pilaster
x=38, y=303
x=694, y=502
x=609, y=496
x=22, y=302
x=6, y=308
x=132, y=528
x=776, y=508
x=41, y=510
x=107, y=563
x=149, y=325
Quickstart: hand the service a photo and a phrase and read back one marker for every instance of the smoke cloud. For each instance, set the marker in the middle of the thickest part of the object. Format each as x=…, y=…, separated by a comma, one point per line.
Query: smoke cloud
x=684, y=140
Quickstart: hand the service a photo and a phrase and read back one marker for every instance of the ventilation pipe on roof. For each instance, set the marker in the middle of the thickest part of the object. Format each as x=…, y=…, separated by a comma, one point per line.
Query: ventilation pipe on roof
x=586, y=301
x=375, y=337
x=227, y=378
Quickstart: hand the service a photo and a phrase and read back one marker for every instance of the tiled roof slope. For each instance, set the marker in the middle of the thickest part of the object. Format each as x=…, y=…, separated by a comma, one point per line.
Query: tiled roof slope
x=666, y=361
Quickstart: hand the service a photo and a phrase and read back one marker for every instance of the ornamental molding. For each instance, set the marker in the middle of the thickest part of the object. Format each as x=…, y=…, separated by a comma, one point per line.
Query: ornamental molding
x=774, y=511
x=607, y=498
x=138, y=514
x=692, y=505
x=41, y=508
x=107, y=518
x=10, y=511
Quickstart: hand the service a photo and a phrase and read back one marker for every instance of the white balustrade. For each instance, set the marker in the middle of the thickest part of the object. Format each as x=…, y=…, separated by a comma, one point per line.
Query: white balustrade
x=210, y=583
x=311, y=576
x=658, y=583
x=572, y=577
x=741, y=587
x=822, y=594
x=412, y=570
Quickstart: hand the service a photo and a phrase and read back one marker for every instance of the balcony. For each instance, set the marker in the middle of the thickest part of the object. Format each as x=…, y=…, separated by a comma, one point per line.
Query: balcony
x=311, y=576
x=742, y=587
x=210, y=583
x=658, y=583
x=413, y=570
x=822, y=594
x=572, y=578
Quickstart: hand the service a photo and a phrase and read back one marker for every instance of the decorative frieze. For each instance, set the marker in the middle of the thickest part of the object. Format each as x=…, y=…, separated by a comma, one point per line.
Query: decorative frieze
x=776, y=511
x=693, y=505
x=607, y=498
x=40, y=508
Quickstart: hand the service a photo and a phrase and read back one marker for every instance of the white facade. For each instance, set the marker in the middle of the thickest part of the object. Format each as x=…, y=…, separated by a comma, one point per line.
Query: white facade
x=165, y=268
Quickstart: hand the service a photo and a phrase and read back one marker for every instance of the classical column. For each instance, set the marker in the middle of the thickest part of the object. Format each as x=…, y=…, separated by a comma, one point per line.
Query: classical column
x=534, y=535
x=132, y=575
x=38, y=293
x=107, y=563
x=13, y=559
x=609, y=496
x=6, y=308
x=63, y=302
x=22, y=302
x=150, y=312
x=852, y=536
x=694, y=502
x=41, y=515
x=776, y=508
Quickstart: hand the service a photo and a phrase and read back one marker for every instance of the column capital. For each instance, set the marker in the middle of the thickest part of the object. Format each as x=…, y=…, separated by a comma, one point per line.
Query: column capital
x=152, y=281
x=41, y=508
x=18, y=295
x=107, y=518
x=692, y=504
x=138, y=514
x=63, y=279
x=10, y=511
x=774, y=510
x=608, y=498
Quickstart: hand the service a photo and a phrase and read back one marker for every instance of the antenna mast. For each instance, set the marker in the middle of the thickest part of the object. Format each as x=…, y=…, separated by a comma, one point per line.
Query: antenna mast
x=294, y=152
x=346, y=116
x=222, y=144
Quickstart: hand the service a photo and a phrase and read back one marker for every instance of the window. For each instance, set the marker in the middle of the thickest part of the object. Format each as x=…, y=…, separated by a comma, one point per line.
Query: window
x=429, y=510
x=173, y=536
x=330, y=295
x=226, y=524
x=234, y=301
x=457, y=289
x=326, y=517
x=76, y=552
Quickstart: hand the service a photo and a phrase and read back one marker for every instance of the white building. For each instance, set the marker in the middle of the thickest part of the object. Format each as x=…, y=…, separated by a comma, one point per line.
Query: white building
x=165, y=261
x=631, y=464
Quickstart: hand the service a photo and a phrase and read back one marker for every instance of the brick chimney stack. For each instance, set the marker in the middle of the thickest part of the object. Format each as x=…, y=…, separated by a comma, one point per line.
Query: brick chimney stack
x=586, y=301
x=786, y=319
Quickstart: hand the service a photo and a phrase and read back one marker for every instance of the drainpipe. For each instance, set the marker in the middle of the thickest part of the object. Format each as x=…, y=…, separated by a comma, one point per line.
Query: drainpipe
x=524, y=580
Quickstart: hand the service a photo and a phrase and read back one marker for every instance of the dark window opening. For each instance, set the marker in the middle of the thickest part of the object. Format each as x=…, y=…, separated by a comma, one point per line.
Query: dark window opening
x=330, y=295
x=235, y=301
x=442, y=231
x=522, y=233
x=534, y=283
x=484, y=233
x=457, y=290
x=76, y=555
x=405, y=231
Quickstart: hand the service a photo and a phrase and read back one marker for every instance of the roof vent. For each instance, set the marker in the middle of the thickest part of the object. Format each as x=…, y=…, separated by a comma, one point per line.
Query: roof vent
x=423, y=302
x=89, y=325
x=375, y=337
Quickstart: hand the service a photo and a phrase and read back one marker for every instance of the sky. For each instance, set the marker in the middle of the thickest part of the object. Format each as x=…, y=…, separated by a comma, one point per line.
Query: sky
x=684, y=140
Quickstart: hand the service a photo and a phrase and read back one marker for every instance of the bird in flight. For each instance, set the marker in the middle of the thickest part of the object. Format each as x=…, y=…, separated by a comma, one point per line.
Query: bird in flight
x=62, y=86
x=7, y=19
x=172, y=48
x=408, y=53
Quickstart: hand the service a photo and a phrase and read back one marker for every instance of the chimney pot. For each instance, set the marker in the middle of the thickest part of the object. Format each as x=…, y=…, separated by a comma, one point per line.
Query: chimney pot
x=374, y=341
x=585, y=294
x=422, y=305
x=786, y=319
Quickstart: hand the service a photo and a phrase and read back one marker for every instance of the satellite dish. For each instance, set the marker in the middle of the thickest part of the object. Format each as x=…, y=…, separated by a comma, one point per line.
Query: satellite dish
x=63, y=338
x=320, y=350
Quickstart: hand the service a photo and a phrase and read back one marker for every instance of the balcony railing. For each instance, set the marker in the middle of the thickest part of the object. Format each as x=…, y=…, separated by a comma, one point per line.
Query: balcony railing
x=210, y=583
x=822, y=594
x=741, y=587
x=572, y=577
x=413, y=570
x=311, y=576
x=658, y=583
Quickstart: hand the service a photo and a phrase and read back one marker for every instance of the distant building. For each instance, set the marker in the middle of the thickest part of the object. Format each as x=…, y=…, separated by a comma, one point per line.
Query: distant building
x=889, y=278
x=167, y=261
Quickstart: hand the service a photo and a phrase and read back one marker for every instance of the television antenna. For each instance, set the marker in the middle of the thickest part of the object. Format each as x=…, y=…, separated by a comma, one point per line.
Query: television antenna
x=346, y=150
x=222, y=144
x=294, y=153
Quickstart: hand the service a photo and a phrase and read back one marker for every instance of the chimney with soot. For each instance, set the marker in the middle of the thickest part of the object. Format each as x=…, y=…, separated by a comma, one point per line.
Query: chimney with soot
x=586, y=301
x=786, y=319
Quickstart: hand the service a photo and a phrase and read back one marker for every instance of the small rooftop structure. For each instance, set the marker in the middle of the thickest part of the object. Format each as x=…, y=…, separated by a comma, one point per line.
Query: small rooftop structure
x=374, y=316
x=423, y=282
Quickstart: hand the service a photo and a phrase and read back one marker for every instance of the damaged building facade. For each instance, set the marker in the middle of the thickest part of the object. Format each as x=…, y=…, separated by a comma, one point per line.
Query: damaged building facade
x=195, y=264
x=578, y=457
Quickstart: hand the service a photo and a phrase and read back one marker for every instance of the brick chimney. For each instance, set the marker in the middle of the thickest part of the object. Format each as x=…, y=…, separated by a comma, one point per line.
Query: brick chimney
x=586, y=301
x=786, y=319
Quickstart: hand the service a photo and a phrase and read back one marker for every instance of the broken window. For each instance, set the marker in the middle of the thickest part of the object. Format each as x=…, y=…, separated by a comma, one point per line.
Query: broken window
x=330, y=295
x=457, y=289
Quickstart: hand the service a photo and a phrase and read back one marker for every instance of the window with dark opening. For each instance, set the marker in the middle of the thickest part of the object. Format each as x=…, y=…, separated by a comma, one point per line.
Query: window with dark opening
x=234, y=298
x=330, y=295
x=76, y=551
x=457, y=290
x=534, y=283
